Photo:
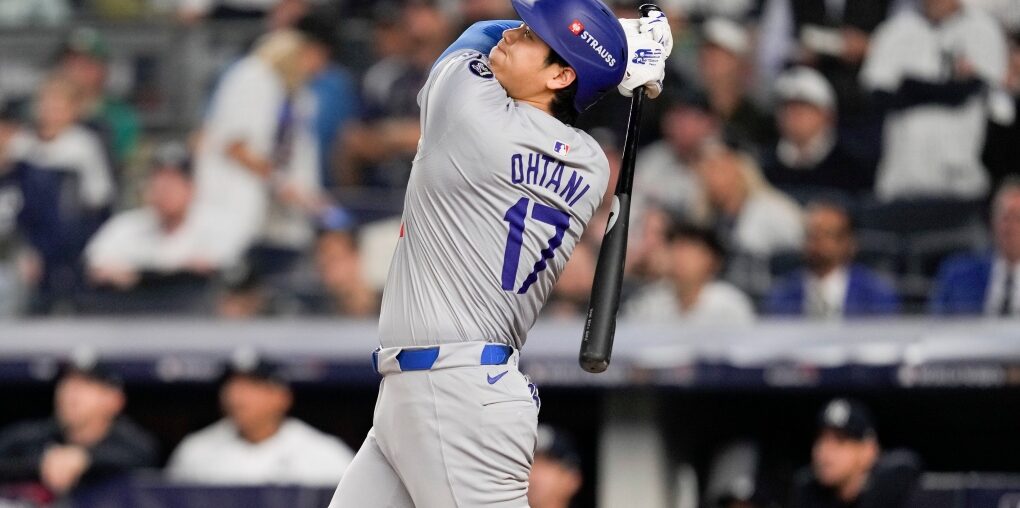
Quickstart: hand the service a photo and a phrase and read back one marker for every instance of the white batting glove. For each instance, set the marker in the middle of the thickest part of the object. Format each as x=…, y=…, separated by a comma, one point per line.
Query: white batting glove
x=657, y=26
x=646, y=66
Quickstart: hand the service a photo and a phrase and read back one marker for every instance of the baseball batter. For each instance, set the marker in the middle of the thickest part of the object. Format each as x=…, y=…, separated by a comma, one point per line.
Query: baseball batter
x=501, y=189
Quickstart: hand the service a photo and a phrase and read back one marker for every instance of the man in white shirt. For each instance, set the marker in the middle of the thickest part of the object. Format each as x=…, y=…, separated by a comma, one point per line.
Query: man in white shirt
x=692, y=292
x=256, y=443
x=161, y=237
x=938, y=74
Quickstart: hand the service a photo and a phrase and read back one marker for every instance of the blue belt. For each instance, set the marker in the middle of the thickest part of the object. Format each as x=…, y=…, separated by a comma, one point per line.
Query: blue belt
x=425, y=358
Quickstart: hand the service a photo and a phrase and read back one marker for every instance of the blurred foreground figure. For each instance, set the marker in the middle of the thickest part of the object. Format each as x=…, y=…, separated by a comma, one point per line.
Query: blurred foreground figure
x=556, y=474
x=257, y=443
x=86, y=440
x=847, y=466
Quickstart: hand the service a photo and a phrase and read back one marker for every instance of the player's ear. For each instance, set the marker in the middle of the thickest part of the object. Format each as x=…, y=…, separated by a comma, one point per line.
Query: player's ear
x=562, y=79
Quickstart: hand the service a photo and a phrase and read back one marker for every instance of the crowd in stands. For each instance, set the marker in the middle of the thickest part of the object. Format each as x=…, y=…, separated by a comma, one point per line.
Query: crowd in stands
x=820, y=159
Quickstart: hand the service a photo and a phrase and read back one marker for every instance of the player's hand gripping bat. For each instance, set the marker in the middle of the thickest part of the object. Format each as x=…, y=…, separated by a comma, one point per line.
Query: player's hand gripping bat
x=600, y=323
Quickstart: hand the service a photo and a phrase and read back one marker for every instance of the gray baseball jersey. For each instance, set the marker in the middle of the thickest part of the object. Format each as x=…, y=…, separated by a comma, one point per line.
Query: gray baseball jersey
x=499, y=195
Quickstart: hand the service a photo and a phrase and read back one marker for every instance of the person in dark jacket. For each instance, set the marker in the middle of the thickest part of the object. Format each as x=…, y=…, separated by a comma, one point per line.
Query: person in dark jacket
x=831, y=286
x=848, y=468
x=86, y=440
x=988, y=283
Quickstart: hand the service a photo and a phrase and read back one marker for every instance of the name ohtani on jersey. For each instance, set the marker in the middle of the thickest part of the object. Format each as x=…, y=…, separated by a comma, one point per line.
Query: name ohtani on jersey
x=540, y=170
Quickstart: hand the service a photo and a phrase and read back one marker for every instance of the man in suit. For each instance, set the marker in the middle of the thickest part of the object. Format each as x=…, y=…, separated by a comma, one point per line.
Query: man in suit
x=831, y=285
x=986, y=284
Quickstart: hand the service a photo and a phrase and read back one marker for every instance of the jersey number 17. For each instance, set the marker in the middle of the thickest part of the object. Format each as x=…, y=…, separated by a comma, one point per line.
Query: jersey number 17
x=512, y=255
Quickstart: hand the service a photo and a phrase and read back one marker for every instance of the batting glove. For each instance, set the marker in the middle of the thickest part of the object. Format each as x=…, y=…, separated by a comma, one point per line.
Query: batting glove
x=646, y=66
x=654, y=26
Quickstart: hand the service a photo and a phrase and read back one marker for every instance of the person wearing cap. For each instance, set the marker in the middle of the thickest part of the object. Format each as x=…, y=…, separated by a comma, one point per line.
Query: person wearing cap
x=848, y=468
x=490, y=219
x=724, y=67
x=256, y=442
x=87, y=439
x=257, y=166
x=556, y=474
x=84, y=60
x=809, y=156
x=162, y=237
x=937, y=94
x=692, y=292
x=831, y=285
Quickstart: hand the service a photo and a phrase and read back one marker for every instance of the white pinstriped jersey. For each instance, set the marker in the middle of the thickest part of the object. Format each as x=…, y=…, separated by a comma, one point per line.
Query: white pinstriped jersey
x=499, y=195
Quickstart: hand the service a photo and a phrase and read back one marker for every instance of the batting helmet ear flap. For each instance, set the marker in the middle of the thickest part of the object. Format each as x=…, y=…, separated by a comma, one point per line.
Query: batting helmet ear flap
x=587, y=35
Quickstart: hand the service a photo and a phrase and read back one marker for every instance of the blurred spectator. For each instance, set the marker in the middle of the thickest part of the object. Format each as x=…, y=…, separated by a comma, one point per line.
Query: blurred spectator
x=85, y=441
x=937, y=92
x=848, y=467
x=832, y=37
x=379, y=150
x=256, y=443
x=556, y=473
x=809, y=156
x=831, y=286
x=344, y=289
x=192, y=11
x=18, y=13
x=257, y=168
x=987, y=284
x=691, y=291
x=751, y=217
x=84, y=60
x=725, y=70
x=1001, y=149
x=67, y=191
x=162, y=237
x=666, y=177
x=472, y=11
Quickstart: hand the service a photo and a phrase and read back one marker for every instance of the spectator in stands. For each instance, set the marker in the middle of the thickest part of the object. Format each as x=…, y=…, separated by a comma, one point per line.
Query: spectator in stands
x=848, y=467
x=257, y=443
x=162, y=237
x=472, y=11
x=85, y=441
x=378, y=151
x=347, y=291
x=809, y=156
x=691, y=291
x=751, y=217
x=831, y=286
x=725, y=68
x=34, y=13
x=84, y=60
x=667, y=178
x=834, y=38
x=193, y=11
x=937, y=92
x=256, y=168
x=67, y=191
x=556, y=474
x=986, y=284
x=1001, y=149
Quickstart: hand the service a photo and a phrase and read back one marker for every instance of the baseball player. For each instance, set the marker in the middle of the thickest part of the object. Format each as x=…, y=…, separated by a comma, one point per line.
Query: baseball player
x=500, y=191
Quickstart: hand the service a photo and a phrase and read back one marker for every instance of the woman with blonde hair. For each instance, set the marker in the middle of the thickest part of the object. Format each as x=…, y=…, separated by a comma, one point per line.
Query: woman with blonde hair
x=256, y=167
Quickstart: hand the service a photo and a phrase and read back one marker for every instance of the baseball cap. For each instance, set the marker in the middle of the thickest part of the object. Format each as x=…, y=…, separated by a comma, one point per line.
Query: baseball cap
x=86, y=41
x=85, y=363
x=316, y=28
x=848, y=417
x=727, y=34
x=804, y=84
x=172, y=154
x=248, y=363
x=557, y=445
x=587, y=35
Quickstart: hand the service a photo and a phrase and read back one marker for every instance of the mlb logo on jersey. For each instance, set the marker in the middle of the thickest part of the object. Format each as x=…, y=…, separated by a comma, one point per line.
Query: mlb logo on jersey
x=478, y=68
x=561, y=148
x=576, y=27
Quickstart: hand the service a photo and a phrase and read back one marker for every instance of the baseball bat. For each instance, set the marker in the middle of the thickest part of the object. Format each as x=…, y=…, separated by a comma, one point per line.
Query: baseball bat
x=600, y=324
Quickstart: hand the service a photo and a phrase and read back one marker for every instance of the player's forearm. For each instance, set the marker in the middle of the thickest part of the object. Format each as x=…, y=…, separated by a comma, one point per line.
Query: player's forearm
x=239, y=152
x=481, y=36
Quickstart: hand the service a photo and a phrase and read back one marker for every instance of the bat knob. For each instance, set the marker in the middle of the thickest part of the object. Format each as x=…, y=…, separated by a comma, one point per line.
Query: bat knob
x=594, y=365
x=648, y=8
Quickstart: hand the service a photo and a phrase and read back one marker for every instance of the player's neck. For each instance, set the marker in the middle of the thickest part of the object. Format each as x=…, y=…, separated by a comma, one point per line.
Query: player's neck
x=259, y=433
x=542, y=102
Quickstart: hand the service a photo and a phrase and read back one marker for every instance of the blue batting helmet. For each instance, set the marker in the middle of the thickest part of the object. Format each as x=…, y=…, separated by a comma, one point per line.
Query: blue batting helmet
x=587, y=35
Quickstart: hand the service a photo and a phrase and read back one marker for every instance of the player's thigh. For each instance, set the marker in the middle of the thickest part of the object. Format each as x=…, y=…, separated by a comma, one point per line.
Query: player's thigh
x=370, y=481
x=485, y=442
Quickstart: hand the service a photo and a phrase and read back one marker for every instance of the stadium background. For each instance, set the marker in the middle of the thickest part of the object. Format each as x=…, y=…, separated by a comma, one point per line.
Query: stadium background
x=680, y=391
